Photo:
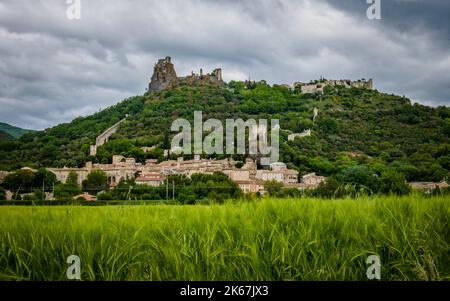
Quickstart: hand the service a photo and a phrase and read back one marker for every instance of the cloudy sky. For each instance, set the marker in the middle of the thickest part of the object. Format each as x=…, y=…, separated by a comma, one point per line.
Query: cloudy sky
x=53, y=69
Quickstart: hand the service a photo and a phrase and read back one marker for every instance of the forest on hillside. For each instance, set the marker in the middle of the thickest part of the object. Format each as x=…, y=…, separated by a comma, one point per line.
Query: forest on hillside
x=354, y=127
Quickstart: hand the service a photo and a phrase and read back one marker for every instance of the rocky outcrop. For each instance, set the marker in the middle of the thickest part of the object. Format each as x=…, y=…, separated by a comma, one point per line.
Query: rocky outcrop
x=164, y=76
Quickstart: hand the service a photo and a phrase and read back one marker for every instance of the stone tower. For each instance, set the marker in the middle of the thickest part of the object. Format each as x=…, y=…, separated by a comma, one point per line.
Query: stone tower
x=218, y=74
x=164, y=76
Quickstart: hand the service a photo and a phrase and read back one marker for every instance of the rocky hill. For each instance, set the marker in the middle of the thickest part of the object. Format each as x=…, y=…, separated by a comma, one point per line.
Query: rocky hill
x=347, y=126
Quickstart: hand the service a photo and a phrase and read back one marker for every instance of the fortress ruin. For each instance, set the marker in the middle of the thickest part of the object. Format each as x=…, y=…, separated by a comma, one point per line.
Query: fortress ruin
x=318, y=85
x=165, y=77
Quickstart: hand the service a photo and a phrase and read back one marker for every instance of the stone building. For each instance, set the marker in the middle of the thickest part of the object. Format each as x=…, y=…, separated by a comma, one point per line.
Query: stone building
x=214, y=77
x=121, y=169
x=251, y=186
x=311, y=181
x=152, y=173
x=153, y=179
x=278, y=172
x=429, y=186
x=164, y=77
x=318, y=86
x=3, y=175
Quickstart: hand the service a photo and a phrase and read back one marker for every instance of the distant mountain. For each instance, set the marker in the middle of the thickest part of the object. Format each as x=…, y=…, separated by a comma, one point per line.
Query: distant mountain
x=14, y=131
x=4, y=136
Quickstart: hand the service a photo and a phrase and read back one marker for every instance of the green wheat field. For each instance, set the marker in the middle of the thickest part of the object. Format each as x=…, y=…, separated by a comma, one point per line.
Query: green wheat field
x=267, y=239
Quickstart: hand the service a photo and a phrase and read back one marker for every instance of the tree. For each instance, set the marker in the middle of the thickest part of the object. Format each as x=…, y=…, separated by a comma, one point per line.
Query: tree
x=437, y=173
x=187, y=196
x=359, y=176
x=331, y=188
x=38, y=194
x=44, y=177
x=393, y=182
x=66, y=191
x=21, y=180
x=96, y=181
x=330, y=125
x=447, y=126
x=2, y=194
x=105, y=196
x=273, y=187
x=72, y=178
x=166, y=141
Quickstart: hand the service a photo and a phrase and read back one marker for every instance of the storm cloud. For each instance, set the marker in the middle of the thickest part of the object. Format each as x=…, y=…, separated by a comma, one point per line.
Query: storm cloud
x=53, y=69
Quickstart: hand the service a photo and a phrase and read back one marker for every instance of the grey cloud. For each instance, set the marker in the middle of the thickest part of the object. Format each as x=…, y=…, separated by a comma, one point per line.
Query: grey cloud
x=53, y=69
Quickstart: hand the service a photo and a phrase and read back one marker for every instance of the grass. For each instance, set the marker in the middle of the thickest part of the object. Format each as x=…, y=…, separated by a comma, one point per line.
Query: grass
x=269, y=239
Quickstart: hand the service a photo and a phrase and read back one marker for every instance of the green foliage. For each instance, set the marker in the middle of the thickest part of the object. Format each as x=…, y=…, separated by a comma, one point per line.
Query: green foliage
x=216, y=188
x=393, y=182
x=330, y=125
x=38, y=194
x=329, y=189
x=239, y=164
x=46, y=178
x=29, y=197
x=66, y=191
x=2, y=194
x=4, y=136
x=72, y=178
x=95, y=182
x=21, y=180
x=383, y=129
x=356, y=181
x=273, y=188
x=105, y=196
x=447, y=127
x=13, y=131
x=266, y=240
x=359, y=177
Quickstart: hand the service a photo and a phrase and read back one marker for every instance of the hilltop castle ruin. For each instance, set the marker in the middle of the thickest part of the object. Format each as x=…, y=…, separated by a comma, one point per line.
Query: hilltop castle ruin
x=318, y=86
x=164, y=77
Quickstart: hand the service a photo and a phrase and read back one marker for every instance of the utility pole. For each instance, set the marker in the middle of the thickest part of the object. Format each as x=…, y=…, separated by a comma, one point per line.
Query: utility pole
x=167, y=189
x=43, y=190
x=173, y=189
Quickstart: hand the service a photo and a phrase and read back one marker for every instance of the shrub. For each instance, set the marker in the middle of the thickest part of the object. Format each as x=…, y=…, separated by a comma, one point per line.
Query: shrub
x=105, y=196
x=273, y=187
x=393, y=182
x=2, y=194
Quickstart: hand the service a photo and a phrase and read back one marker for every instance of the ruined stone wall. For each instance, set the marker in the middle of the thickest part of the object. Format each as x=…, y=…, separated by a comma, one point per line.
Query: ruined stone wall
x=317, y=87
x=165, y=77
x=103, y=137
x=214, y=77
